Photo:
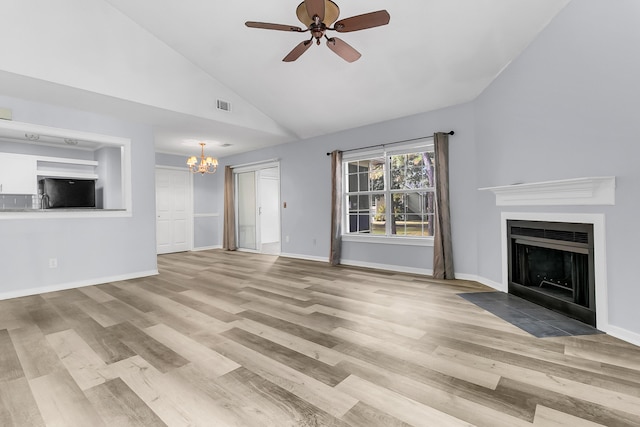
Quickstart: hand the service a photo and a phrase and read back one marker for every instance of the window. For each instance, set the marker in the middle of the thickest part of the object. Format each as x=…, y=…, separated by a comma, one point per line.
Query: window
x=390, y=193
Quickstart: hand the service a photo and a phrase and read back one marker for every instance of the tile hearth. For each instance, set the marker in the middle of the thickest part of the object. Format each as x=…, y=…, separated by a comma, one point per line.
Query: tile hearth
x=532, y=318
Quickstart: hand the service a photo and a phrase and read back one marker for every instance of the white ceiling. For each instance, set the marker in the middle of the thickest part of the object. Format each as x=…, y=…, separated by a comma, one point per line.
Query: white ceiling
x=433, y=54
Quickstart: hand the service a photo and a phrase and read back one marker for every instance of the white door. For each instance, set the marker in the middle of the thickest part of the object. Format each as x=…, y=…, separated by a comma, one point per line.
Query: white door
x=173, y=196
x=269, y=210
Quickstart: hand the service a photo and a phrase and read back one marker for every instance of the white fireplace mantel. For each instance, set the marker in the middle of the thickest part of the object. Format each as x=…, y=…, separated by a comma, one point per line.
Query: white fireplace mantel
x=577, y=191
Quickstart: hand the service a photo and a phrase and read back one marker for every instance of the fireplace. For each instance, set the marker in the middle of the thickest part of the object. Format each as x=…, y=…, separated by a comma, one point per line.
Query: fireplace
x=552, y=264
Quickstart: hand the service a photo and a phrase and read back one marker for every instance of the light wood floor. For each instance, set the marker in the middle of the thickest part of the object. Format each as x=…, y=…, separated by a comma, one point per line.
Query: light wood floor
x=237, y=339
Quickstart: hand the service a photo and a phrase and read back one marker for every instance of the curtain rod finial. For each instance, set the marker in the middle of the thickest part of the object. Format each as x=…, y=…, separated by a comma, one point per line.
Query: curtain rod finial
x=452, y=133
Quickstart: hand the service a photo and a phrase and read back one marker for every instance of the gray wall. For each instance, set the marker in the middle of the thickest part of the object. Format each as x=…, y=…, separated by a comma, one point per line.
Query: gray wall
x=87, y=249
x=569, y=107
x=109, y=183
x=566, y=108
x=305, y=187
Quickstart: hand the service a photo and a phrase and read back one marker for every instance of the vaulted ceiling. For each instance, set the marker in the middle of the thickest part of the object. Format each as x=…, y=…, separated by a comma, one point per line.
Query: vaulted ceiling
x=432, y=54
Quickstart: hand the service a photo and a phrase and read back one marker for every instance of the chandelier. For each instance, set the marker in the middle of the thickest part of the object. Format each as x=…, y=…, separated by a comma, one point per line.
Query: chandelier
x=207, y=165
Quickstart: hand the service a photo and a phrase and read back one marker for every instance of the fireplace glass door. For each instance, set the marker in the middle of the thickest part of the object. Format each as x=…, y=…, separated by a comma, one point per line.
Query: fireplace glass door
x=551, y=264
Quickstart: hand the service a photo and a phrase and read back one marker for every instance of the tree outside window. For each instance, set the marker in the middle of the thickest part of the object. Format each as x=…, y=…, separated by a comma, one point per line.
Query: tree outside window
x=392, y=195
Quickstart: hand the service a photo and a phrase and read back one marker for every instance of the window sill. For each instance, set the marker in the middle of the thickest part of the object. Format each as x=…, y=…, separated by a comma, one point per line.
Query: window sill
x=386, y=240
x=63, y=213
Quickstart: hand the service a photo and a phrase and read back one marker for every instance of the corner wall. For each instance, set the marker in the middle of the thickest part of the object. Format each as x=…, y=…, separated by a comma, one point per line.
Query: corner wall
x=568, y=108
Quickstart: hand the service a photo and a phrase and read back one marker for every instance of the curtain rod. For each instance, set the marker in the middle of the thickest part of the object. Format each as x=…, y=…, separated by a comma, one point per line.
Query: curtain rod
x=389, y=143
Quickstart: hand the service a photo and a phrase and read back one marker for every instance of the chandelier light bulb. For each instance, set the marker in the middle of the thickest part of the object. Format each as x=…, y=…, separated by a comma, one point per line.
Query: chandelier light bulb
x=206, y=165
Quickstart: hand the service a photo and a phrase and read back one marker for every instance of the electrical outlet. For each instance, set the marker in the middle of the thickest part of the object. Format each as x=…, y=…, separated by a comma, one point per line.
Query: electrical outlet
x=286, y=238
x=5, y=114
x=314, y=241
x=53, y=262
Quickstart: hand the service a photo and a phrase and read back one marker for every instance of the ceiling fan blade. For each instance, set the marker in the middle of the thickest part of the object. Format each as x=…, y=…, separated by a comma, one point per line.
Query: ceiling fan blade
x=362, y=22
x=343, y=50
x=297, y=51
x=315, y=7
x=268, y=26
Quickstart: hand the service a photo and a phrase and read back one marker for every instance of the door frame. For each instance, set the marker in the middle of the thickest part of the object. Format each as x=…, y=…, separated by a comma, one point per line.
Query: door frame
x=256, y=167
x=190, y=216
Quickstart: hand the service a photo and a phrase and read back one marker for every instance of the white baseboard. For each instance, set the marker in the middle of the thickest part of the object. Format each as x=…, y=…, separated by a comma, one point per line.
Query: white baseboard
x=74, y=285
x=483, y=280
x=388, y=267
x=623, y=334
x=206, y=248
x=305, y=257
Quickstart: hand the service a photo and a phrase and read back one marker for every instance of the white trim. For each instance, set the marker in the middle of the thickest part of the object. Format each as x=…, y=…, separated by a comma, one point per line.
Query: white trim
x=577, y=191
x=623, y=334
x=207, y=215
x=206, y=248
x=68, y=214
x=482, y=280
x=305, y=257
x=75, y=285
x=600, y=257
x=390, y=148
x=47, y=159
x=362, y=154
x=388, y=240
x=252, y=166
x=388, y=267
x=173, y=168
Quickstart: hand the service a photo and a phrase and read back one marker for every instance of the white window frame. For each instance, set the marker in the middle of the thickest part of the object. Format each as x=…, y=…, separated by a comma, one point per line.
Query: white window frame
x=384, y=153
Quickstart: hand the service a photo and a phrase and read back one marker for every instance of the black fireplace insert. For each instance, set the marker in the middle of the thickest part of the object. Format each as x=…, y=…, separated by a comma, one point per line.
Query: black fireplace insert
x=551, y=264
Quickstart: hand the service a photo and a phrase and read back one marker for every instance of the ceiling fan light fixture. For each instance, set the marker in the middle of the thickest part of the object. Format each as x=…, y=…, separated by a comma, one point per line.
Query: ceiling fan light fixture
x=331, y=13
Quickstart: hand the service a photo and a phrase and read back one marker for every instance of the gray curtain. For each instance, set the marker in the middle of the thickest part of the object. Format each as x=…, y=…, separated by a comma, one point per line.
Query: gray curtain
x=442, y=246
x=336, y=207
x=229, y=226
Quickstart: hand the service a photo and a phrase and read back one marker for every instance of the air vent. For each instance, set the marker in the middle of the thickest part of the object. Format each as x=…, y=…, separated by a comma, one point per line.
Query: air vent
x=223, y=105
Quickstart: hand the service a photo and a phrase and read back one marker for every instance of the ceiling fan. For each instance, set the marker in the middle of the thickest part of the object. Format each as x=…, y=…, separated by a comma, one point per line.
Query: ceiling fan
x=318, y=16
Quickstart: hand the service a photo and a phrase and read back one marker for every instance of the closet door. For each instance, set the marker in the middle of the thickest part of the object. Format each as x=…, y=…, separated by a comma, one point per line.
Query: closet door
x=173, y=214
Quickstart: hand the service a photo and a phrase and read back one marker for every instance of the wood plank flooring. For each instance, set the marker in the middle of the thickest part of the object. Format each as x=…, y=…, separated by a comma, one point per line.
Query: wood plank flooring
x=236, y=339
